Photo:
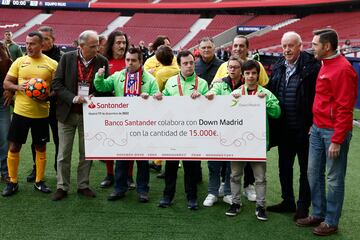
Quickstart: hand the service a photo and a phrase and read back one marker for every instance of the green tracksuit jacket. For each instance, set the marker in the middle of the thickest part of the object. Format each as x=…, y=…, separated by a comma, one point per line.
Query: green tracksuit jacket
x=187, y=86
x=116, y=83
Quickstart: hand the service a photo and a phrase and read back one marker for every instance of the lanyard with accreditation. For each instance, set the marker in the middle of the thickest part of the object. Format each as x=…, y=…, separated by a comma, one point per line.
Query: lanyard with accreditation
x=180, y=88
x=85, y=81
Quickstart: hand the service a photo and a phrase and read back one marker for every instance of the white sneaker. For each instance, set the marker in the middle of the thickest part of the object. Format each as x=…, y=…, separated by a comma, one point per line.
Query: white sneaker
x=221, y=189
x=228, y=199
x=210, y=200
x=250, y=193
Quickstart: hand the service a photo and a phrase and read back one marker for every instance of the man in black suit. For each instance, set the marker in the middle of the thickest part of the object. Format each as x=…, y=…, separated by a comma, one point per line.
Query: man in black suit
x=72, y=83
x=293, y=82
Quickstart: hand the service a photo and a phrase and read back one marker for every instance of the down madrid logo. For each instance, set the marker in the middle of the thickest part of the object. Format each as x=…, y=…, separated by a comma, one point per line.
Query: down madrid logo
x=91, y=105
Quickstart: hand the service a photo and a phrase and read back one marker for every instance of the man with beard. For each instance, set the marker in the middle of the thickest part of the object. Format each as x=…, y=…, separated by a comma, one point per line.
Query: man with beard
x=115, y=49
x=330, y=135
x=29, y=114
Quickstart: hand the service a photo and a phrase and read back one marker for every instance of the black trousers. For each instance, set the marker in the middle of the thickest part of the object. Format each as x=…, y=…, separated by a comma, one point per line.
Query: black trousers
x=248, y=175
x=191, y=170
x=292, y=144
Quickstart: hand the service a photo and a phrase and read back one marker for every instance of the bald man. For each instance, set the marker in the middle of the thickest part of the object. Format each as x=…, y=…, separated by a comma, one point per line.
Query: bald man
x=293, y=83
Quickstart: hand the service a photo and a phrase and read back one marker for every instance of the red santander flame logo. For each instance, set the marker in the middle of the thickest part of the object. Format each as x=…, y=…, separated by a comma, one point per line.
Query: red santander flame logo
x=91, y=105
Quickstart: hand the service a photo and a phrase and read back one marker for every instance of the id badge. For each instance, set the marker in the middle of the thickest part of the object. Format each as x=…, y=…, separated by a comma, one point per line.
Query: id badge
x=83, y=90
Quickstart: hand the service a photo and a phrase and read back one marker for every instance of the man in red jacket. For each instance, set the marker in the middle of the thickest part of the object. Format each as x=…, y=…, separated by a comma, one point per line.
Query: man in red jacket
x=330, y=134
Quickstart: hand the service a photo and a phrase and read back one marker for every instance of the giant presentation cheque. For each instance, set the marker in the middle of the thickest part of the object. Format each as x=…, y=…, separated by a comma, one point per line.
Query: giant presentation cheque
x=175, y=128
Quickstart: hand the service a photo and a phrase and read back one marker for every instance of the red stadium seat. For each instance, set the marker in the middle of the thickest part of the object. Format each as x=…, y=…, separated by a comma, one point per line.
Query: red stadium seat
x=69, y=24
x=14, y=19
x=344, y=23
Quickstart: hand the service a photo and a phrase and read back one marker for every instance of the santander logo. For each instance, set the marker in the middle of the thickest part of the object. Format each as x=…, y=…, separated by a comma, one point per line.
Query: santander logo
x=91, y=105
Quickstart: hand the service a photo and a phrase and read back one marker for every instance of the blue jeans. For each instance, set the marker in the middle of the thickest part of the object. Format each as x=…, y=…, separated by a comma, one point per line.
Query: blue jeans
x=326, y=206
x=4, y=128
x=214, y=178
x=142, y=176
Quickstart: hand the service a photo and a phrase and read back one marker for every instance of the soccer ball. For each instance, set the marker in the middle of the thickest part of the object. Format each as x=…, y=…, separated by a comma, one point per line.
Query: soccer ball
x=37, y=89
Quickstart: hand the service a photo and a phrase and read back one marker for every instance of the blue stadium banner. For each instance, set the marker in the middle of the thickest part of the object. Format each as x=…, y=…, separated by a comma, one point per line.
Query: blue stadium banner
x=43, y=4
x=248, y=29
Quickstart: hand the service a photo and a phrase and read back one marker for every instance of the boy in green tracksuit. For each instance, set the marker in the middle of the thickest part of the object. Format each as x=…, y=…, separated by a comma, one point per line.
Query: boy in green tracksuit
x=223, y=87
x=251, y=71
x=186, y=83
x=132, y=81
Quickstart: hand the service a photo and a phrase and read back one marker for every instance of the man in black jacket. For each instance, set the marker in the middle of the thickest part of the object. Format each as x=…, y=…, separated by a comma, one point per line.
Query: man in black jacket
x=53, y=52
x=72, y=83
x=293, y=83
x=207, y=64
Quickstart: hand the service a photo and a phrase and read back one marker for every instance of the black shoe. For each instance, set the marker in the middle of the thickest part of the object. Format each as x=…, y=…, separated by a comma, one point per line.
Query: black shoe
x=282, y=207
x=233, y=210
x=192, y=204
x=116, y=196
x=143, y=197
x=10, y=189
x=161, y=175
x=107, y=182
x=40, y=186
x=301, y=213
x=165, y=202
x=155, y=167
x=32, y=176
x=261, y=214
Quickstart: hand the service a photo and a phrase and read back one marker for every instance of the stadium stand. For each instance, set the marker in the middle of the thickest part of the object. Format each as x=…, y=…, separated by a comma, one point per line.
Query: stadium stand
x=162, y=20
x=14, y=19
x=344, y=23
x=223, y=22
x=219, y=24
x=72, y=32
x=73, y=23
x=147, y=26
x=81, y=18
x=149, y=34
x=268, y=20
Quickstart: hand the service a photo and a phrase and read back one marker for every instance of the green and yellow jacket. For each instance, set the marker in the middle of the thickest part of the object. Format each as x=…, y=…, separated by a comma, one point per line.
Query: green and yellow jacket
x=187, y=85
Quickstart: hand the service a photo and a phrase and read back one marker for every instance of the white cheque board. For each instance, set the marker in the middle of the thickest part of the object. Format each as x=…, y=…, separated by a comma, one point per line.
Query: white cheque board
x=175, y=128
